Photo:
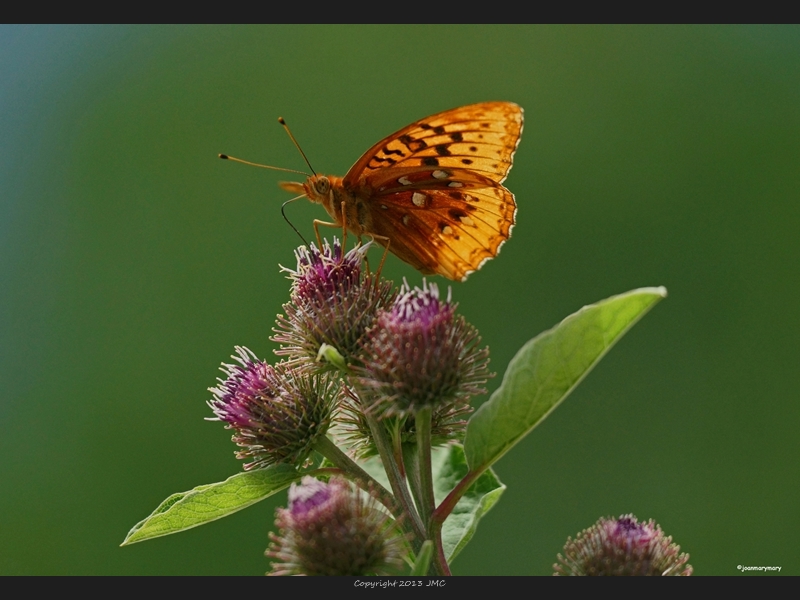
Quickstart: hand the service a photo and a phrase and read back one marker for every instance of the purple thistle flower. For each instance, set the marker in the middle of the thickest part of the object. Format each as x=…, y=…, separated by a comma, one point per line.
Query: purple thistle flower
x=321, y=274
x=331, y=529
x=421, y=354
x=277, y=412
x=622, y=547
x=332, y=302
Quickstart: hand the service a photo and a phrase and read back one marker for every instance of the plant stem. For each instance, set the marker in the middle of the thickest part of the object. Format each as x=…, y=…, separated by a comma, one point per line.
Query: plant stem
x=398, y=483
x=424, y=473
x=351, y=470
x=411, y=464
x=449, y=503
x=424, y=470
x=442, y=512
x=441, y=561
x=411, y=455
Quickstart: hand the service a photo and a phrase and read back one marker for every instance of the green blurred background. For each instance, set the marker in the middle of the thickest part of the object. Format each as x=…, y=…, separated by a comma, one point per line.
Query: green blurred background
x=133, y=260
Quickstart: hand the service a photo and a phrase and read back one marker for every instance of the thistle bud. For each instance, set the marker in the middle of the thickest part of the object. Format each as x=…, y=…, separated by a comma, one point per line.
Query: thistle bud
x=332, y=302
x=276, y=412
x=330, y=529
x=622, y=547
x=421, y=354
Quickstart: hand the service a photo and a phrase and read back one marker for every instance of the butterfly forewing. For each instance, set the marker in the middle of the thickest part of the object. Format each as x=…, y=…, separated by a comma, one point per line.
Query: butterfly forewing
x=480, y=137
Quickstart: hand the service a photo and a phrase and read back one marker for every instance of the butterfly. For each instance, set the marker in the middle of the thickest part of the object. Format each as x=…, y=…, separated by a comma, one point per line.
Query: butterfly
x=431, y=193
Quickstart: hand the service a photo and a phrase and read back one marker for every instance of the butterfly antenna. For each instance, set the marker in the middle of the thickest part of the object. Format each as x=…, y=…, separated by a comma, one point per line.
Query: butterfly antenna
x=286, y=127
x=283, y=206
x=252, y=164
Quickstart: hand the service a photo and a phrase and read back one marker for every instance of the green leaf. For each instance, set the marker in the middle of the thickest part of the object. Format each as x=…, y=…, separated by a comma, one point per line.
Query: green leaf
x=210, y=502
x=547, y=369
x=449, y=468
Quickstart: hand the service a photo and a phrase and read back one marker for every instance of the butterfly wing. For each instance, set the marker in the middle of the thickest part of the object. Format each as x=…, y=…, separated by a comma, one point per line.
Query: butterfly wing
x=435, y=187
x=480, y=137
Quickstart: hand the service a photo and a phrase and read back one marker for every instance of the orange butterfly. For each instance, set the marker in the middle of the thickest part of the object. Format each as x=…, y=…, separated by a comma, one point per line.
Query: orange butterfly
x=431, y=193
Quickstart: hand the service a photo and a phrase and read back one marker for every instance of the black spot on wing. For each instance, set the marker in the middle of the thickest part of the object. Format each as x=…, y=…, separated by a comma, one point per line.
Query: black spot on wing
x=386, y=150
x=382, y=160
x=413, y=144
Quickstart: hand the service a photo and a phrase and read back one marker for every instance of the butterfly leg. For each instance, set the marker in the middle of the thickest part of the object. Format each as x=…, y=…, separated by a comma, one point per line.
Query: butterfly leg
x=317, y=223
x=385, y=241
x=344, y=227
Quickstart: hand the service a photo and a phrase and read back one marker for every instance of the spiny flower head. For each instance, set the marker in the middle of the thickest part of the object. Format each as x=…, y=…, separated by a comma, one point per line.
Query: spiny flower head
x=322, y=273
x=332, y=302
x=277, y=412
x=622, y=547
x=419, y=354
x=330, y=529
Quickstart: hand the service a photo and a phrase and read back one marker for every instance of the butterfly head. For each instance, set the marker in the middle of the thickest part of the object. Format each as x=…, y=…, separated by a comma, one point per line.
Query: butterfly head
x=316, y=188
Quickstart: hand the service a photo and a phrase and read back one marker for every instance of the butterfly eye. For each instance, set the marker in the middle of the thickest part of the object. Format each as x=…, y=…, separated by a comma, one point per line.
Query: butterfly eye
x=322, y=185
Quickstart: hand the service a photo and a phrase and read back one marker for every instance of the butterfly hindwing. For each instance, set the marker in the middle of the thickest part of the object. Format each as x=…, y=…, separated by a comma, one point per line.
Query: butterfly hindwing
x=445, y=230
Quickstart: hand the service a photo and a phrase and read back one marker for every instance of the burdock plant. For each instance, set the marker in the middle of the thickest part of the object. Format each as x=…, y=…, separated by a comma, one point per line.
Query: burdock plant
x=368, y=420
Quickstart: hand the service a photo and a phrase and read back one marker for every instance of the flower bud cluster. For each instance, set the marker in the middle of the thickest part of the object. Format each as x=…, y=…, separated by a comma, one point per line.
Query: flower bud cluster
x=389, y=354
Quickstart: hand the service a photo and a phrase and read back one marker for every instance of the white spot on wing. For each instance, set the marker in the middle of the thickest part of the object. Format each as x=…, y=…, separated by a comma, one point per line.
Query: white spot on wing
x=404, y=180
x=406, y=219
x=418, y=199
x=441, y=174
x=455, y=184
x=467, y=221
